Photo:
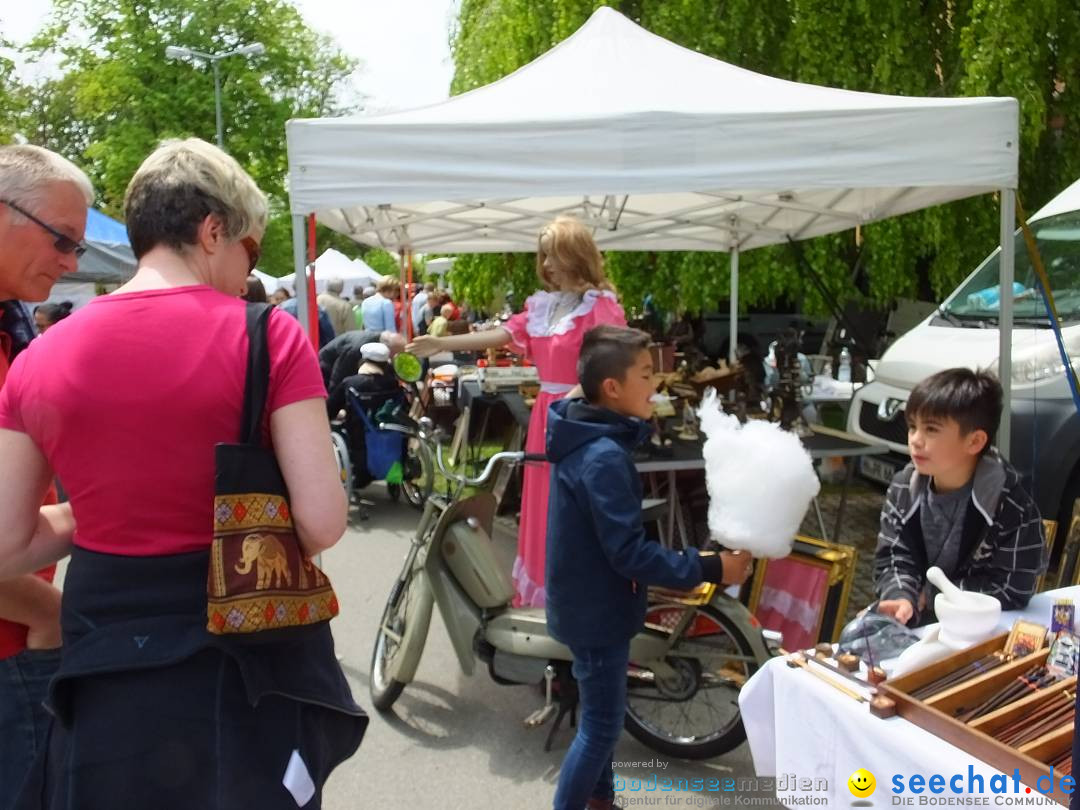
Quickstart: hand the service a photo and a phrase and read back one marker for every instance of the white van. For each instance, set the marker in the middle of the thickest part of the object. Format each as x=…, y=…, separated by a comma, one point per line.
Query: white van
x=1045, y=442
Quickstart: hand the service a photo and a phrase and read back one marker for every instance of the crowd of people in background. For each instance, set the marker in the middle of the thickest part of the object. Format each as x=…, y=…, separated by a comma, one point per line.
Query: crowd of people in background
x=375, y=309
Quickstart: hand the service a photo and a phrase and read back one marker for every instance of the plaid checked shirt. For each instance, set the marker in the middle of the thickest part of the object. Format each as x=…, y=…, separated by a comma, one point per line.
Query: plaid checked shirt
x=1003, y=549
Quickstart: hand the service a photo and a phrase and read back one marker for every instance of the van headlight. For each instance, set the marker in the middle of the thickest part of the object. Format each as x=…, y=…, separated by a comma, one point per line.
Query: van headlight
x=1041, y=364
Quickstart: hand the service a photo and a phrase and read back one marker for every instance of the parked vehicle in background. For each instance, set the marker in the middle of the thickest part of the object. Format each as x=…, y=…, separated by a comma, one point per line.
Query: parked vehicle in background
x=1045, y=442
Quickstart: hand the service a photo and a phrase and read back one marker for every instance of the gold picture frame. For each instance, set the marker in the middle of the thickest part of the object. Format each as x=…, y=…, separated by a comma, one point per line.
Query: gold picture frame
x=837, y=561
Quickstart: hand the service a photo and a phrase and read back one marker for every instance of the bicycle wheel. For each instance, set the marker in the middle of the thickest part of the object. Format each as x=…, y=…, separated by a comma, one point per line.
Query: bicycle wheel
x=692, y=712
x=395, y=623
x=419, y=479
x=344, y=462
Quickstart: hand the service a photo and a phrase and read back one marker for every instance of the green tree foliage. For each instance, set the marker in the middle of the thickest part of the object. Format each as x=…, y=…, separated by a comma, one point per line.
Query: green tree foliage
x=10, y=97
x=931, y=48
x=118, y=95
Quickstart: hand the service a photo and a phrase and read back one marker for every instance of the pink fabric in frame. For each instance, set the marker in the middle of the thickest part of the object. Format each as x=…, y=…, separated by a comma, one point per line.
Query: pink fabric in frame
x=792, y=601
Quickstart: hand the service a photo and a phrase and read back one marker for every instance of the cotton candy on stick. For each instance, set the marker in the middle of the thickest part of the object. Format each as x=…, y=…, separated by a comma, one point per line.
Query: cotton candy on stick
x=760, y=480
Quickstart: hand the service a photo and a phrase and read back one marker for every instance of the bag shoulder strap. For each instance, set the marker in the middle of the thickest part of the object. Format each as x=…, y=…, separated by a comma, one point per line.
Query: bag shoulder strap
x=257, y=380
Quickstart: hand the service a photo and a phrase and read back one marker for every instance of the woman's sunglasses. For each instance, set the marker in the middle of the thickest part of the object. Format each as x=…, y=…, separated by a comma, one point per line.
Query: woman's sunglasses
x=63, y=243
x=254, y=251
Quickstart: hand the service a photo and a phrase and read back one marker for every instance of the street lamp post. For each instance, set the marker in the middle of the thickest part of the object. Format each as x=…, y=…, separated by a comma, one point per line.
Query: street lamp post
x=176, y=52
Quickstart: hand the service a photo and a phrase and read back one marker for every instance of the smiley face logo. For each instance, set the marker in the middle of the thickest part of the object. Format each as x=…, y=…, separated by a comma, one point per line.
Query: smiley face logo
x=861, y=783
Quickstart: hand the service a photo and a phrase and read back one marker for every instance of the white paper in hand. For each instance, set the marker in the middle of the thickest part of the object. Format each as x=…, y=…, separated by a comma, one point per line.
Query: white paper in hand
x=297, y=780
x=760, y=480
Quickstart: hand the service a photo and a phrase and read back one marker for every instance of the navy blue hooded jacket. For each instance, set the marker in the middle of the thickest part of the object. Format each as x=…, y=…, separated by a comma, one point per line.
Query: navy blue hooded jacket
x=599, y=561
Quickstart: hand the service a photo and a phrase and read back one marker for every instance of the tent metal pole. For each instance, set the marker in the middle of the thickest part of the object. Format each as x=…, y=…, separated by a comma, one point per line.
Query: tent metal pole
x=1005, y=315
x=733, y=326
x=299, y=242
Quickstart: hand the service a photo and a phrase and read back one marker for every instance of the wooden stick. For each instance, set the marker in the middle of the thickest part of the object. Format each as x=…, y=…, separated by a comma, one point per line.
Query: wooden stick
x=1033, y=679
x=1048, y=708
x=799, y=660
x=1038, y=723
x=822, y=662
x=985, y=664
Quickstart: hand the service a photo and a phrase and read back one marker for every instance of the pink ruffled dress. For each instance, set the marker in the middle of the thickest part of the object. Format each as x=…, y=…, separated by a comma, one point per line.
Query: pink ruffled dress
x=553, y=348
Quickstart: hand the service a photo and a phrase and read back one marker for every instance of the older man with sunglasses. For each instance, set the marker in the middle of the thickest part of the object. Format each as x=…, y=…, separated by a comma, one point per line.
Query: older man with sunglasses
x=43, y=202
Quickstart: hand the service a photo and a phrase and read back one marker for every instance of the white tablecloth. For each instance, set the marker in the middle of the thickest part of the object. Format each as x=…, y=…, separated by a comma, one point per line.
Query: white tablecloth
x=797, y=725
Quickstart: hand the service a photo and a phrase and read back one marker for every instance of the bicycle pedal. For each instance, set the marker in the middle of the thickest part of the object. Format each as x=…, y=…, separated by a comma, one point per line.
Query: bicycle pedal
x=541, y=716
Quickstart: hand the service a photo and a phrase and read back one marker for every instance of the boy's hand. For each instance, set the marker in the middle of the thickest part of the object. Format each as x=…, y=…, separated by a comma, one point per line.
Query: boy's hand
x=900, y=609
x=727, y=567
x=738, y=565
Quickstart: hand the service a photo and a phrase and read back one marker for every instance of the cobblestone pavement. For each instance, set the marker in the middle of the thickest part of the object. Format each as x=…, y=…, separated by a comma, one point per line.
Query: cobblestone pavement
x=859, y=529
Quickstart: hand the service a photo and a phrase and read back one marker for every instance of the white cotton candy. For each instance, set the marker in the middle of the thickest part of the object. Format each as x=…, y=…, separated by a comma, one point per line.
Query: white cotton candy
x=761, y=481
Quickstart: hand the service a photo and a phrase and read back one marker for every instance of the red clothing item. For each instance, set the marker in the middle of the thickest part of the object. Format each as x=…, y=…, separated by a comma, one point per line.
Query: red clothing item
x=128, y=399
x=12, y=635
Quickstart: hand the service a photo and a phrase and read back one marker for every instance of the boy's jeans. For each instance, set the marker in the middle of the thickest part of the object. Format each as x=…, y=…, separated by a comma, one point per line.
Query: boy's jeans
x=24, y=681
x=601, y=678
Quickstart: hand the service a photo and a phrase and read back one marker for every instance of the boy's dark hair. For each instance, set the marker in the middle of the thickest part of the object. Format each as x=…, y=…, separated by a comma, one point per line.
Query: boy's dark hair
x=607, y=352
x=971, y=398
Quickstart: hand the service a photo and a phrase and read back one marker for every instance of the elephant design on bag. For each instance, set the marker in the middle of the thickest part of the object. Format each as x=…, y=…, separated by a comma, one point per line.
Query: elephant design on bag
x=308, y=570
x=271, y=561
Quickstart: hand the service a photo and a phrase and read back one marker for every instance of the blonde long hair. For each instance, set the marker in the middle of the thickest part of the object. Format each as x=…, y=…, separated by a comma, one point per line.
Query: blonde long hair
x=571, y=244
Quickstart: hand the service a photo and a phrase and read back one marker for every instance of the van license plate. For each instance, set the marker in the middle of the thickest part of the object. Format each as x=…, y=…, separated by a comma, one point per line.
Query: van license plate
x=877, y=470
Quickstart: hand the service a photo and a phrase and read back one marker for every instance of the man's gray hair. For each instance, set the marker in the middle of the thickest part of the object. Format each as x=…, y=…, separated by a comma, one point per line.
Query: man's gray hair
x=26, y=171
x=335, y=286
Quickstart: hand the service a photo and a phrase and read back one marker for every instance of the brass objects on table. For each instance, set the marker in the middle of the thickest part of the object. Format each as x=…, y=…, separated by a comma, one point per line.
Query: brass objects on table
x=849, y=661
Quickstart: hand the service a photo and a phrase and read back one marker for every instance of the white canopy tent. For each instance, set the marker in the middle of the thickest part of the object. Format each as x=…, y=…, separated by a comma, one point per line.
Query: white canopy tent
x=656, y=147
x=332, y=264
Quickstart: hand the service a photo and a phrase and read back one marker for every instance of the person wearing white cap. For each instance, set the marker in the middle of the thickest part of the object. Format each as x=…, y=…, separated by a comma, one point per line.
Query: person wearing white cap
x=371, y=387
x=375, y=380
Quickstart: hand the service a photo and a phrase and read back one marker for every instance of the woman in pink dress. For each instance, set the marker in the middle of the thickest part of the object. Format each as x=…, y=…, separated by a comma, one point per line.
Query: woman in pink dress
x=576, y=297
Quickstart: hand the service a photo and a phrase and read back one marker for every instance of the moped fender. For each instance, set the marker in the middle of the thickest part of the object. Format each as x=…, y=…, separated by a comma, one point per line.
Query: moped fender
x=403, y=667
x=524, y=631
x=459, y=613
x=737, y=613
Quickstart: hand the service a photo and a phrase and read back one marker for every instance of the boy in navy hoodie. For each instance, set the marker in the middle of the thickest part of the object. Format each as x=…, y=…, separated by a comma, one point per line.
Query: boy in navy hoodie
x=599, y=562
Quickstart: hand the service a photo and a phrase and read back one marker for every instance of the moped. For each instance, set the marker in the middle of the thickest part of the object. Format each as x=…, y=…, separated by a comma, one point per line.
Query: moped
x=689, y=661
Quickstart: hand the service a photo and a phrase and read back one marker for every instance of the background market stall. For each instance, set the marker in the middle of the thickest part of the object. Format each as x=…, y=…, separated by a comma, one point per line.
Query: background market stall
x=108, y=260
x=656, y=147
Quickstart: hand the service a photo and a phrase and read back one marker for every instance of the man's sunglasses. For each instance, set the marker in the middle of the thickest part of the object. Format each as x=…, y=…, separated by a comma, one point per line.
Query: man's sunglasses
x=254, y=251
x=63, y=243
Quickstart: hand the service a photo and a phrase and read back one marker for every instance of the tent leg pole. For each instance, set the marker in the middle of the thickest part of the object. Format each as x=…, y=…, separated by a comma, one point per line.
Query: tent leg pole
x=299, y=238
x=1005, y=319
x=733, y=326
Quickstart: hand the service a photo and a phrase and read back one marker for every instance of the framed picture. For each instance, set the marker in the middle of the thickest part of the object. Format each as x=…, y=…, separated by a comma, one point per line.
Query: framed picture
x=804, y=595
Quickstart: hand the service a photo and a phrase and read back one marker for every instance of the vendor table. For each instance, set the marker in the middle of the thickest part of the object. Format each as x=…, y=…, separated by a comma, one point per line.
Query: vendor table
x=822, y=443
x=795, y=724
x=683, y=455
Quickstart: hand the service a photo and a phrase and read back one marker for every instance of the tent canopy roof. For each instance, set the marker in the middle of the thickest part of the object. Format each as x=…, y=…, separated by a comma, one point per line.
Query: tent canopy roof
x=656, y=146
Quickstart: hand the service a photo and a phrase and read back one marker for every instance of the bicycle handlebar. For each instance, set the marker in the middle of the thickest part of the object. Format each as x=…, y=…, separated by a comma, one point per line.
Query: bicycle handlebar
x=511, y=457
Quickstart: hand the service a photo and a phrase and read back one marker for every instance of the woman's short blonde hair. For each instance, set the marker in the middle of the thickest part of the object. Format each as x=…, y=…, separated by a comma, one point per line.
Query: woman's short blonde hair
x=387, y=284
x=571, y=245
x=179, y=185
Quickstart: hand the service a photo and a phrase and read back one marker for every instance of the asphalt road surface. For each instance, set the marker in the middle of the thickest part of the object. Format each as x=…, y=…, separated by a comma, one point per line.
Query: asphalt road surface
x=459, y=741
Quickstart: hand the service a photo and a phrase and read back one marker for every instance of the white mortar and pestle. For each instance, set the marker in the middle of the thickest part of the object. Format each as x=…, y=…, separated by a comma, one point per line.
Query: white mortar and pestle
x=965, y=619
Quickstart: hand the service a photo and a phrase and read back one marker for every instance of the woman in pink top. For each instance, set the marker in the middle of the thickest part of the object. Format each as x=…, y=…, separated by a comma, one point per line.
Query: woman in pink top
x=577, y=297
x=125, y=401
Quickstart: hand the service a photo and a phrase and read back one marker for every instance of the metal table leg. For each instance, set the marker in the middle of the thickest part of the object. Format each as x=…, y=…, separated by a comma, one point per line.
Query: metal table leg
x=843, y=498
